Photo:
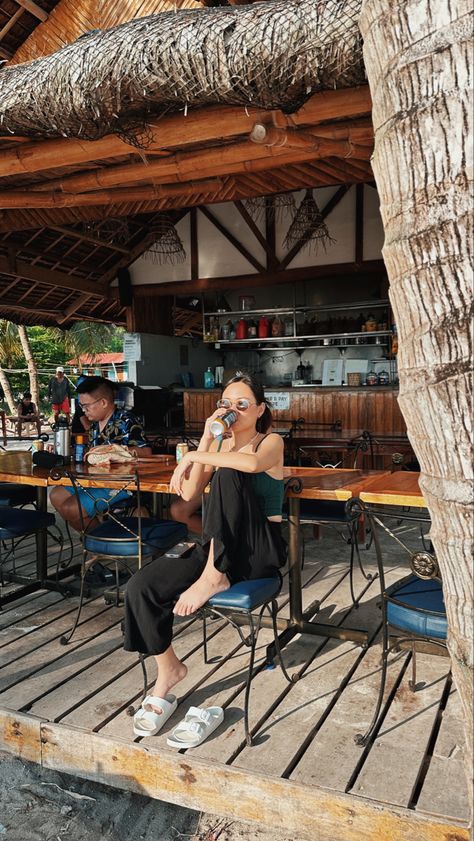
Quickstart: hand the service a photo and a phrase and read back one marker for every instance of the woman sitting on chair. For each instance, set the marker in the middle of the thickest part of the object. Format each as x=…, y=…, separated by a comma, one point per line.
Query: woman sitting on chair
x=241, y=529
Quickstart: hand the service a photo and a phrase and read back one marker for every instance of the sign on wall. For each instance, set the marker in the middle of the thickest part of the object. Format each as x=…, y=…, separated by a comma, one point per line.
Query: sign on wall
x=279, y=400
x=132, y=347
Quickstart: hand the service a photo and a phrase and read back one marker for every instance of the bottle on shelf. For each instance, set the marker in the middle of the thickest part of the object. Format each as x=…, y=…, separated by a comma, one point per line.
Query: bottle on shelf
x=241, y=330
x=288, y=327
x=277, y=326
x=394, y=340
x=209, y=381
x=252, y=329
x=263, y=327
x=308, y=372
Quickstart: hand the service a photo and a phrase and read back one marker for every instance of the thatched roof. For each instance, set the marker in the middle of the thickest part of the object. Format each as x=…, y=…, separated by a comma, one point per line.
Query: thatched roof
x=268, y=55
x=148, y=79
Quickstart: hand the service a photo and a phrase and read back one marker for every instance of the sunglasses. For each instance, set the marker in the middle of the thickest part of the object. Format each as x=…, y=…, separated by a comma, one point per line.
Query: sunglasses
x=241, y=405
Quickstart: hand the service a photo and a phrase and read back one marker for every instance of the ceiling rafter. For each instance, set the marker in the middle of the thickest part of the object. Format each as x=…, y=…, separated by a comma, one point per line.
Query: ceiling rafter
x=201, y=126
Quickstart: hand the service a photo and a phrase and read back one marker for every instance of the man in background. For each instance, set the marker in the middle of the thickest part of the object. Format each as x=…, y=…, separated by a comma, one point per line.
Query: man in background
x=108, y=425
x=59, y=394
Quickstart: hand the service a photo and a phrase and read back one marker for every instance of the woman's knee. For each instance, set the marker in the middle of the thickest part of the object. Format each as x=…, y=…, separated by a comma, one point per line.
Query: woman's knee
x=227, y=477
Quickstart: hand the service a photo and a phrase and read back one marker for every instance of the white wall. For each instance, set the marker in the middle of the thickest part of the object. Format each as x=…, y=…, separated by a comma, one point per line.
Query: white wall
x=161, y=364
x=219, y=258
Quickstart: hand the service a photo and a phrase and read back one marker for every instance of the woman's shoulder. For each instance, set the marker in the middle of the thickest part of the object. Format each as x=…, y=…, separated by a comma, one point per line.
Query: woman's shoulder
x=271, y=439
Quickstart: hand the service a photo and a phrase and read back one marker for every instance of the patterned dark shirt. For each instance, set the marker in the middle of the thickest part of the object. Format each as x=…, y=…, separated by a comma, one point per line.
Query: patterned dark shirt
x=121, y=428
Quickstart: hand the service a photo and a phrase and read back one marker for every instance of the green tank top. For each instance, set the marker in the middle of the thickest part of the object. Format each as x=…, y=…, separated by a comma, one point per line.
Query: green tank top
x=269, y=492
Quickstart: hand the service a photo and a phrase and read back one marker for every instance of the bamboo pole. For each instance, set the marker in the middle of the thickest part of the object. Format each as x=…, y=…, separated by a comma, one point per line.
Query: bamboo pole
x=202, y=125
x=181, y=167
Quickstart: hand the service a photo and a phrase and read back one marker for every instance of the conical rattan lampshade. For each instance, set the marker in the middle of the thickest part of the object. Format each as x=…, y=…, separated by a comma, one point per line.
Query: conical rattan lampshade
x=167, y=247
x=308, y=225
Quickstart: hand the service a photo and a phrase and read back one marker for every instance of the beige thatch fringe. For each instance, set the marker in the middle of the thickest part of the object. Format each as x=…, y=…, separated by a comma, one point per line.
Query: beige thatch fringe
x=270, y=55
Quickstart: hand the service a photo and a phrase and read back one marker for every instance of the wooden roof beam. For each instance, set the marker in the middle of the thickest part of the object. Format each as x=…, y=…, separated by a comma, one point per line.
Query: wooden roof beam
x=33, y=9
x=70, y=232
x=17, y=199
x=52, y=278
x=4, y=31
x=199, y=126
x=268, y=278
x=216, y=161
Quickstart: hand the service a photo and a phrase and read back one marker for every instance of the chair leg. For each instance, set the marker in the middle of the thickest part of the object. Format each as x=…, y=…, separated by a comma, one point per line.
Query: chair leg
x=253, y=644
x=66, y=638
x=363, y=738
x=273, y=612
x=131, y=710
x=412, y=682
x=204, y=639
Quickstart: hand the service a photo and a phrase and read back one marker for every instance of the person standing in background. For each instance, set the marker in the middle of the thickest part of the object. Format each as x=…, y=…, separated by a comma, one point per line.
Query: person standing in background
x=59, y=394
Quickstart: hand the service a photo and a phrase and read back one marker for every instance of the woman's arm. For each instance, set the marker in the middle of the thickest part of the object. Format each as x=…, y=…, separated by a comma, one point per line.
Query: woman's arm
x=268, y=455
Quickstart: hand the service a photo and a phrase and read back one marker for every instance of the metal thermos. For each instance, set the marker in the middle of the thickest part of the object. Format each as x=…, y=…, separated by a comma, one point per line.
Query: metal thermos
x=62, y=439
x=221, y=425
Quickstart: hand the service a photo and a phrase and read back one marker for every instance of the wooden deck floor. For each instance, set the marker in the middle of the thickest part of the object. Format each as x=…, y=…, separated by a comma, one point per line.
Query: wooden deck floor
x=65, y=708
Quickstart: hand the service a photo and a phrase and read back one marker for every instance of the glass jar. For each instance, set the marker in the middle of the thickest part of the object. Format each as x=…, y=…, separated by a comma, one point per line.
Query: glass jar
x=371, y=378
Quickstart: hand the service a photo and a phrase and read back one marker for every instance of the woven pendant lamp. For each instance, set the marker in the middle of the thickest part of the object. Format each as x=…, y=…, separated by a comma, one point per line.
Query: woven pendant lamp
x=167, y=247
x=308, y=224
x=277, y=206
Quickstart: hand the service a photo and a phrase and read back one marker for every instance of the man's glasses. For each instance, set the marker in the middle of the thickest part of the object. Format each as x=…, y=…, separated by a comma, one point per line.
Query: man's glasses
x=86, y=406
x=241, y=405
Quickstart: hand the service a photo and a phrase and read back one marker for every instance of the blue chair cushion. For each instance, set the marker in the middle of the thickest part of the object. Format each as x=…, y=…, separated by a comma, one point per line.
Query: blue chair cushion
x=245, y=595
x=427, y=596
x=111, y=538
x=16, y=523
x=13, y=494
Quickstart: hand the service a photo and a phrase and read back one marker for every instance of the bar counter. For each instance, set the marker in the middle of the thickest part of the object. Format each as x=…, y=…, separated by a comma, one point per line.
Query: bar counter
x=374, y=408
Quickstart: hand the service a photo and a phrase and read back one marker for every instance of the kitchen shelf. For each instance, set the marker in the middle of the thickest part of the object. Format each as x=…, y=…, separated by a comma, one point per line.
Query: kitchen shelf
x=290, y=310
x=273, y=340
x=214, y=320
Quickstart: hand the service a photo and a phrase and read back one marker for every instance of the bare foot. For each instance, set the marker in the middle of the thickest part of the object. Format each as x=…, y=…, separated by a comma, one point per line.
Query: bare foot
x=166, y=680
x=200, y=592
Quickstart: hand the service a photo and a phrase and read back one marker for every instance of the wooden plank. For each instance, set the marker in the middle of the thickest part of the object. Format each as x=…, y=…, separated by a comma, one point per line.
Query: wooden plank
x=20, y=735
x=193, y=783
x=270, y=687
x=332, y=756
x=225, y=643
x=24, y=645
x=89, y=697
x=58, y=279
x=93, y=622
x=445, y=790
x=48, y=612
x=51, y=672
x=390, y=771
x=24, y=605
x=34, y=9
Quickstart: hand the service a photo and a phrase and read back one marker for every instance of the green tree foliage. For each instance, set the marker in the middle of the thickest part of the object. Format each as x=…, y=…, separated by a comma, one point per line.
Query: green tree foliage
x=52, y=347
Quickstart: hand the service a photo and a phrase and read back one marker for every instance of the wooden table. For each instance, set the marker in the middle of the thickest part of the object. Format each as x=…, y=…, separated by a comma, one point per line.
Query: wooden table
x=398, y=488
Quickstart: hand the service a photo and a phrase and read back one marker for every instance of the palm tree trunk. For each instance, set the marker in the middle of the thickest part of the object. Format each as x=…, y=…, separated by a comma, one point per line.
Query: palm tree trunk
x=5, y=383
x=30, y=361
x=419, y=65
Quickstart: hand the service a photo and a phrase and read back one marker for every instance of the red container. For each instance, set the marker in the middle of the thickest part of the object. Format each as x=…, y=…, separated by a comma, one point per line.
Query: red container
x=241, y=330
x=263, y=327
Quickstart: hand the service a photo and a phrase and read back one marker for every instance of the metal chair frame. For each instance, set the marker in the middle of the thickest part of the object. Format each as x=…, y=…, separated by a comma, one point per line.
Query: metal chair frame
x=250, y=640
x=129, y=482
x=425, y=566
x=15, y=543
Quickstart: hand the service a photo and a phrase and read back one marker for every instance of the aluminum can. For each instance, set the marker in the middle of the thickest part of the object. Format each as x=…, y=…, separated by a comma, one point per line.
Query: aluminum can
x=221, y=425
x=37, y=446
x=181, y=450
x=79, y=452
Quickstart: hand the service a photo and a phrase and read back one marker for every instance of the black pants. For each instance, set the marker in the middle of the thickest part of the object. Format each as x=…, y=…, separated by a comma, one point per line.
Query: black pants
x=246, y=545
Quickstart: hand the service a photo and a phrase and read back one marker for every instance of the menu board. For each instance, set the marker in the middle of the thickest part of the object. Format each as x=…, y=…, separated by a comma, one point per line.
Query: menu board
x=279, y=400
x=132, y=347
